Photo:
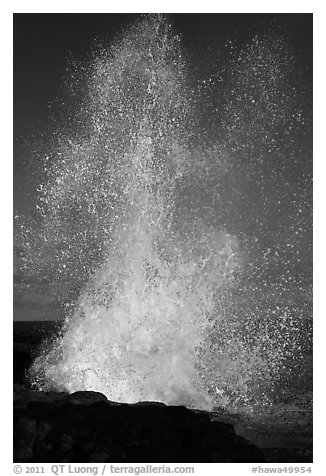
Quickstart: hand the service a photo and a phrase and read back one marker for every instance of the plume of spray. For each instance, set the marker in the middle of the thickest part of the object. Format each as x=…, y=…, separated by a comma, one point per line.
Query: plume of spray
x=160, y=315
x=136, y=329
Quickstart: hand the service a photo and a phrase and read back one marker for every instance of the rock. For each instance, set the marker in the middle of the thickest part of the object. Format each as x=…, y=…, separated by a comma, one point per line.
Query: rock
x=22, y=396
x=288, y=455
x=22, y=452
x=87, y=398
x=66, y=444
x=27, y=429
x=100, y=457
x=86, y=427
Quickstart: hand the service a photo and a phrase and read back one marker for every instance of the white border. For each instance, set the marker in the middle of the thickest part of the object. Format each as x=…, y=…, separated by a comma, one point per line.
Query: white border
x=60, y=6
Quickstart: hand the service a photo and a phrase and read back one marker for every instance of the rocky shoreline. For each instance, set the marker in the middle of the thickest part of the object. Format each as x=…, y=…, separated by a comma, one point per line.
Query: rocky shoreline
x=86, y=427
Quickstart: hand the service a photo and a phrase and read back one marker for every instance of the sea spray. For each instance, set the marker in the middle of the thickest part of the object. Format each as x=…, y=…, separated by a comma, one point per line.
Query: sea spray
x=139, y=322
x=172, y=306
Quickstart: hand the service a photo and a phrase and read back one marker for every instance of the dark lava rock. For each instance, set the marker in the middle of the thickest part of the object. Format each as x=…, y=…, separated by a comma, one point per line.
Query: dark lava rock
x=288, y=455
x=86, y=427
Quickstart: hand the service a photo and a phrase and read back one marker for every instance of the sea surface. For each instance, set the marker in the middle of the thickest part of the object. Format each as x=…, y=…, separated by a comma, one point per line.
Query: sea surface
x=39, y=301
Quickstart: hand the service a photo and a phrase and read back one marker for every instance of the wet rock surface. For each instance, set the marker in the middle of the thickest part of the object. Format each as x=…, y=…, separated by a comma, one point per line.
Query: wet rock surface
x=86, y=427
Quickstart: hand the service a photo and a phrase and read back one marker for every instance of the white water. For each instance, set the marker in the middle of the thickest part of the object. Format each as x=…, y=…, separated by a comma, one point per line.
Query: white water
x=162, y=315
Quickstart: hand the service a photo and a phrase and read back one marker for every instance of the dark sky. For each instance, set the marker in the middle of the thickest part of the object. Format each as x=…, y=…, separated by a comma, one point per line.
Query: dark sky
x=44, y=43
